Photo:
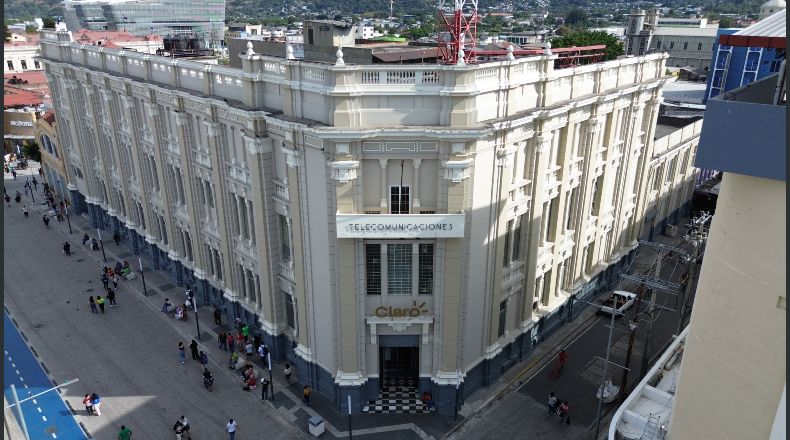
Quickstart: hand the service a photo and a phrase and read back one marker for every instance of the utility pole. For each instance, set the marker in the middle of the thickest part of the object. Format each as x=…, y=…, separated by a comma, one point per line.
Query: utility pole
x=697, y=237
x=650, y=309
x=633, y=324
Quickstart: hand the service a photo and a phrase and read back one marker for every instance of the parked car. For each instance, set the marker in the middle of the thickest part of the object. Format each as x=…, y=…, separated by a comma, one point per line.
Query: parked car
x=622, y=300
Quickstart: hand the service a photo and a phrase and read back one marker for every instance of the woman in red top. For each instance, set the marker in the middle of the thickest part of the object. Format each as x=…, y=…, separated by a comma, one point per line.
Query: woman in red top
x=240, y=341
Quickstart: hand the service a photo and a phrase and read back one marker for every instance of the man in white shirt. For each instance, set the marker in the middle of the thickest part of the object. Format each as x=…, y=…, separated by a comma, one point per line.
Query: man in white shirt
x=231, y=427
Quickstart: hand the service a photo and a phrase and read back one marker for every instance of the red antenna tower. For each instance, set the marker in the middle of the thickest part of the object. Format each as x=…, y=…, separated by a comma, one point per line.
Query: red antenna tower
x=460, y=32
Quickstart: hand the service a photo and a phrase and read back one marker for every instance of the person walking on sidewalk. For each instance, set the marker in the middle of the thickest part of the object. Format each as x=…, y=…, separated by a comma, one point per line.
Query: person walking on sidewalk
x=45, y=219
x=231, y=428
x=231, y=343
x=203, y=358
x=264, y=388
x=262, y=351
x=185, y=423
x=166, y=306
x=105, y=280
x=222, y=340
x=182, y=354
x=193, y=348
x=288, y=372
x=88, y=405
x=96, y=403
x=178, y=428
x=67, y=249
x=116, y=238
x=24, y=210
x=93, y=304
x=245, y=331
x=564, y=413
x=217, y=316
x=111, y=298
x=562, y=357
x=114, y=280
x=8, y=200
x=552, y=403
x=100, y=303
x=125, y=433
x=240, y=341
x=306, y=395
x=249, y=350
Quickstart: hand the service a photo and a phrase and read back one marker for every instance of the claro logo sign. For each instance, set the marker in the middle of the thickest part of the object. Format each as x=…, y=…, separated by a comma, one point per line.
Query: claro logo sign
x=401, y=312
x=400, y=226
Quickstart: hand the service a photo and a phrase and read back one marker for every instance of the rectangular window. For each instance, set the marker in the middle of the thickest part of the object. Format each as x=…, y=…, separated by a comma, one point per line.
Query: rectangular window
x=36, y=64
x=671, y=45
x=24, y=64
x=571, y=204
x=10, y=64
x=686, y=45
x=658, y=44
x=502, y=319
x=425, y=269
x=506, y=254
x=373, y=269
x=285, y=239
x=399, y=200
x=699, y=46
x=290, y=310
x=517, y=240
x=399, y=269
x=550, y=225
x=596, y=196
x=218, y=263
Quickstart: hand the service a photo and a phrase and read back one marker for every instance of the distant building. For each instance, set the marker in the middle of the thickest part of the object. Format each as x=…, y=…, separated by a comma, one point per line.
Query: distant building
x=243, y=30
x=734, y=65
x=20, y=111
x=203, y=18
x=693, y=22
x=120, y=40
x=20, y=53
x=686, y=46
x=365, y=32
x=46, y=136
x=771, y=7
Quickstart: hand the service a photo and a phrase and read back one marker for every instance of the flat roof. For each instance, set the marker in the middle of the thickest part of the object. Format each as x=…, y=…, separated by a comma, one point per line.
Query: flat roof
x=770, y=32
x=686, y=31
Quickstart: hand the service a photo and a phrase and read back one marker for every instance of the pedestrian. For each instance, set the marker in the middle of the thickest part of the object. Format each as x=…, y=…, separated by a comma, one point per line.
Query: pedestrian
x=234, y=359
x=185, y=423
x=564, y=412
x=203, y=359
x=231, y=345
x=264, y=388
x=17, y=197
x=288, y=372
x=85, y=239
x=41, y=172
x=67, y=248
x=111, y=298
x=93, y=304
x=125, y=433
x=237, y=323
x=240, y=341
x=231, y=427
x=13, y=173
x=563, y=357
x=249, y=350
x=262, y=352
x=35, y=183
x=96, y=402
x=115, y=280
x=24, y=210
x=552, y=403
x=100, y=303
x=178, y=428
x=166, y=306
x=306, y=395
x=116, y=238
x=245, y=331
x=45, y=219
x=8, y=200
x=105, y=280
x=182, y=354
x=193, y=348
x=217, y=316
x=88, y=405
x=222, y=339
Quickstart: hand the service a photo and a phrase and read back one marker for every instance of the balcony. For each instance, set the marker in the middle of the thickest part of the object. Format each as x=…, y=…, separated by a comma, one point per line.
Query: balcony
x=281, y=191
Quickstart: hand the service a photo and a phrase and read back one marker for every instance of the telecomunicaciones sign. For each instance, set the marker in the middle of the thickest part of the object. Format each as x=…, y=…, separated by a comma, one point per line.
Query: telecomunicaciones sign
x=400, y=226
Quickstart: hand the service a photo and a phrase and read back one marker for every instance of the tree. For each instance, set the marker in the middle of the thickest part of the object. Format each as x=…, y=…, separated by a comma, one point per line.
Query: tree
x=49, y=23
x=614, y=47
x=31, y=151
x=6, y=34
x=725, y=22
x=576, y=17
x=31, y=29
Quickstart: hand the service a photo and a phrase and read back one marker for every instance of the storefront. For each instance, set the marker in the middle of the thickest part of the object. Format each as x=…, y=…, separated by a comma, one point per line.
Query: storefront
x=18, y=127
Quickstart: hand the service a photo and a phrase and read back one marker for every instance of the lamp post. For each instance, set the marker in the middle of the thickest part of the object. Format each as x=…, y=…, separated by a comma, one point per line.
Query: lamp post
x=457, y=386
x=142, y=274
x=191, y=296
x=98, y=232
x=68, y=220
x=19, y=412
x=271, y=381
x=350, y=436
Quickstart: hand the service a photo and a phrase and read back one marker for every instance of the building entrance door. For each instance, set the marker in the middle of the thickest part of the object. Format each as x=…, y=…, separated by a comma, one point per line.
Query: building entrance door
x=399, y=360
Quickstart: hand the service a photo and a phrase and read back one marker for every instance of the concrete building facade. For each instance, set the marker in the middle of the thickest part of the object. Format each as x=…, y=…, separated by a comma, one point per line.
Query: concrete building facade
x=426, y=223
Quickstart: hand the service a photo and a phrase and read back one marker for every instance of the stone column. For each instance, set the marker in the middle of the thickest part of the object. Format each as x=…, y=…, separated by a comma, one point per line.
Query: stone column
x=384, y=195
x=542, y=145
x=416, y=191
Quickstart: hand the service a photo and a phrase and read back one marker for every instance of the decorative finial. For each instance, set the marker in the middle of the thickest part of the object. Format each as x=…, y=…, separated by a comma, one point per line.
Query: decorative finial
x=249, y=49
x=461, y=55
x=510, y=56
x=289, y=51
x=547, y=50
x=339, y=55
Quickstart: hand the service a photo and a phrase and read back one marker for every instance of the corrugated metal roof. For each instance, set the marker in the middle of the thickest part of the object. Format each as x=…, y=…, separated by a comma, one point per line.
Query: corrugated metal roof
x=773, y=26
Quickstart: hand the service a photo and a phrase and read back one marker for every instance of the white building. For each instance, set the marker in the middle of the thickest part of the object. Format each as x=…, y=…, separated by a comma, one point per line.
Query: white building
x=425, y=223
x=365, y=32
x=20, y=54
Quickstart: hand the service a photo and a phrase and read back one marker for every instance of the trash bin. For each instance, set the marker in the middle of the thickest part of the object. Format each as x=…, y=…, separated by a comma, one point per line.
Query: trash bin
x=316, y=426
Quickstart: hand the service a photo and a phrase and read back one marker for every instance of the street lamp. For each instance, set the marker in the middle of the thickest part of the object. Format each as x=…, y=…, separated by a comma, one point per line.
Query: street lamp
x=68, y=220
x=271, y=381
x=98, y=232
x=142, y=274
x=191, y=297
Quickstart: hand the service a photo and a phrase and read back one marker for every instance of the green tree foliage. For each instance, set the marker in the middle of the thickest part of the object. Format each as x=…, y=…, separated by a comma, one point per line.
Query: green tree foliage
x=725, y=22
x=576, y=17
x=31, y=29
x=6, y=34
x=31, y=151
x=614, y=47
x=49, y=23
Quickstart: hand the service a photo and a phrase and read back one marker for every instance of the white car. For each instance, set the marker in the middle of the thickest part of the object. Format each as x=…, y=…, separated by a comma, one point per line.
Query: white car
x=623, y=300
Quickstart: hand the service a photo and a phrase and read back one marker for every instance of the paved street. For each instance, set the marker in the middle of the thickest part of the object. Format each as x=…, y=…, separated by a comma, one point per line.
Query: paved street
x=128, y=354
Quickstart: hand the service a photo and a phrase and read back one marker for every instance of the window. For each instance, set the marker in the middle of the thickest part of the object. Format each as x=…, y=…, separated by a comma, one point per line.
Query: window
x=657, y=178
x=517, y=240
x=596, y=196
x=310, y=36
x=552, y=218
x=699, y=46
x=290, y=310
x=502, y=318
x=425, y=269
x=506, y=258
x=686, y=45
x=399, y=200
x=658, y=44
x=373, y=268
x=285, y=239
x=671, y=45
x=36, y=64
x=24, y=64
x=10, y=64
x=399, y=269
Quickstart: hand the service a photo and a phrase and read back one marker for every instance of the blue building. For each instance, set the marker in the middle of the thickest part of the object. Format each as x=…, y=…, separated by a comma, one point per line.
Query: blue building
x=741, y=56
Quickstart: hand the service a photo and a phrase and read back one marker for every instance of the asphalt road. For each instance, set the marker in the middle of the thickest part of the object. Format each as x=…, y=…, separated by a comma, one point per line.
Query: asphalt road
x=46, y=416
x=128, y=355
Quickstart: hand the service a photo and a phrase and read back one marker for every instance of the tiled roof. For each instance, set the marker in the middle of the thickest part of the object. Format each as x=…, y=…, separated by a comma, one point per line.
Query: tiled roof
x=49, y=116
x=13, y=97
x=31, y=76
x=108, y=38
